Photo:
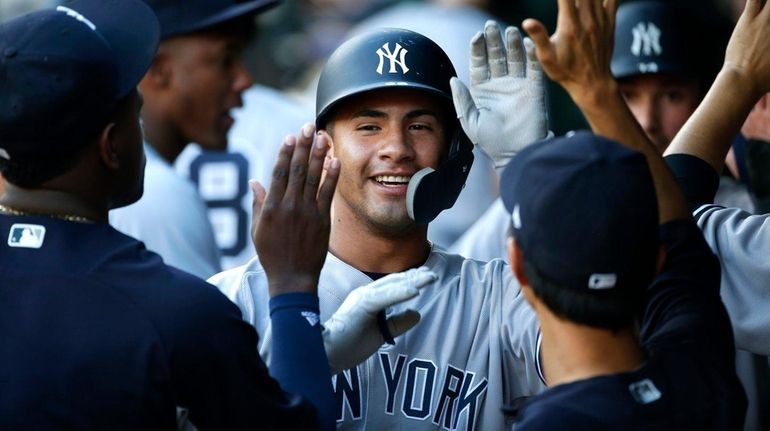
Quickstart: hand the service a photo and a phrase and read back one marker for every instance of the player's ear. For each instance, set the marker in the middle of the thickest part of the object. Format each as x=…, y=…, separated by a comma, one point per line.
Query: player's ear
x=107, y=146
x=159, y=74
x=328, y=136
x=516, y=257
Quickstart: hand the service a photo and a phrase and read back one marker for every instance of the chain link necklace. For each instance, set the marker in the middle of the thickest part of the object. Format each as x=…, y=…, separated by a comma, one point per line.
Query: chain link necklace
x=67, y=217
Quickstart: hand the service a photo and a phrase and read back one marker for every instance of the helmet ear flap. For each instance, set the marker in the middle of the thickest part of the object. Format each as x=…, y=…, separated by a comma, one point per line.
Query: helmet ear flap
x=431, y=191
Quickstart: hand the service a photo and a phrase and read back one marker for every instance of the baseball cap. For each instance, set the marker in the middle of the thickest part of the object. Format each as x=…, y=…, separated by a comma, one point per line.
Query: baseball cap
x=181, y=17
x=656, y=37
x=64, y=70
x=584, y=212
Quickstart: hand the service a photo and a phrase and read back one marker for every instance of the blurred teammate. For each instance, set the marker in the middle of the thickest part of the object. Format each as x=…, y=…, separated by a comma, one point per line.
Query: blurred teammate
x=195, y=80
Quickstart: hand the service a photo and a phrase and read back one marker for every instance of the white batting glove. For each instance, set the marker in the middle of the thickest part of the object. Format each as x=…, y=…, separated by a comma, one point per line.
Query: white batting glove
x=352, y=334
x=505, y=109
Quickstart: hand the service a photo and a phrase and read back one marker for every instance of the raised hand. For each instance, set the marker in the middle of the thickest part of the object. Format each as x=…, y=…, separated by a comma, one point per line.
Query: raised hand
x=577, y=55
x=748, y=46
x=291, y=221
x=352, y=334
x=505, y=109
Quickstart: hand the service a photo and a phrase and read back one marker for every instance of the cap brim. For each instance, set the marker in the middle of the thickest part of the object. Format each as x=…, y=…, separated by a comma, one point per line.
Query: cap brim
x=130, y=28
x=231, y=13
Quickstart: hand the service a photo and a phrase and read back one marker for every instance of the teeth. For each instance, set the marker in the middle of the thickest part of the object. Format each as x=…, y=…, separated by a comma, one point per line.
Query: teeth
x=391, y=179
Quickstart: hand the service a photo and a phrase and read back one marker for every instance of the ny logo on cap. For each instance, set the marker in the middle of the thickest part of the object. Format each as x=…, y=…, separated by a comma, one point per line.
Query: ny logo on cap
x=646, y=39
x=26, y=235
x=397, y=57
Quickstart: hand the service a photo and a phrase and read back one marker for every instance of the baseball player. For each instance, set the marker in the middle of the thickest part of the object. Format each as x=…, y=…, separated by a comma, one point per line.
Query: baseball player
x=267, y=116
x=586, y=256
x=195, y=81
x=384, y=102
x=97, y=332
x=697, y=154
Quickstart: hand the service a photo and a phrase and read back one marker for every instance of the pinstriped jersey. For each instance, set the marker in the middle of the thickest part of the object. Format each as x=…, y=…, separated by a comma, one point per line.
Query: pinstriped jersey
x=473, y=352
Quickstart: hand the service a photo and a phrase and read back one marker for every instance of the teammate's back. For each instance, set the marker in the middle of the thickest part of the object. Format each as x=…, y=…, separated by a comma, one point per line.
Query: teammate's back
x=158, y=329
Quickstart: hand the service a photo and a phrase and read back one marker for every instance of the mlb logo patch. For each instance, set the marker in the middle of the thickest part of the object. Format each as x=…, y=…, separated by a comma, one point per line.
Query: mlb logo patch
x=26, y=235
x=644, y=391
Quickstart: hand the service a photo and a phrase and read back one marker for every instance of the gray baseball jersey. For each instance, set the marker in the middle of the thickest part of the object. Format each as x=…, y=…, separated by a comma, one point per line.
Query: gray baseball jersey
x=474, y=351
x=742, y=243
x=170, y=219
x=486, y=239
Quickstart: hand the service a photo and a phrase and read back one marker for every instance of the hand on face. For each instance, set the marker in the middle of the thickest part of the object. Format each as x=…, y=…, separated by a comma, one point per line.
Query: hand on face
x=291, y=221
x=577, y=55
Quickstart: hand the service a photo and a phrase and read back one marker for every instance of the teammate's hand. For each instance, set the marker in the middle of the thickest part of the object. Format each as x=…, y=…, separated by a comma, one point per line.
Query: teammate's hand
x=352, y=334
x=505, y=109
x=747, y=49
x=291, y=222
x=578, y=54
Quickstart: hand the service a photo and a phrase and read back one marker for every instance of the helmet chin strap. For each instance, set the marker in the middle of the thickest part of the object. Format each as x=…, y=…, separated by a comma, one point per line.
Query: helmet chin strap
x=431, y=191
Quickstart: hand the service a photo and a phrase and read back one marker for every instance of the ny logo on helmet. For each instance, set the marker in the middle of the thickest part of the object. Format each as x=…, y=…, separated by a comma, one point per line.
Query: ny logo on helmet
x=646, y=39
x=397, y=57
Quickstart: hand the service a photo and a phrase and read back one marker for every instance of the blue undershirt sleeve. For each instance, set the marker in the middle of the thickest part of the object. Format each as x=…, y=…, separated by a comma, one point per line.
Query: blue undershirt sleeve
x=299, y=360
x=698, y=180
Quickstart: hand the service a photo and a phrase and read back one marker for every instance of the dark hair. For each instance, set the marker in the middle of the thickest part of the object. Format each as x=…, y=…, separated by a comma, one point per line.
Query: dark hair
x=32, y=170
x=612, y=309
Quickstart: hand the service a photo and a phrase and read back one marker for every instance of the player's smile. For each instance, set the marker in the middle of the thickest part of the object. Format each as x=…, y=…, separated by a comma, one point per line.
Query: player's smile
x=394, y=184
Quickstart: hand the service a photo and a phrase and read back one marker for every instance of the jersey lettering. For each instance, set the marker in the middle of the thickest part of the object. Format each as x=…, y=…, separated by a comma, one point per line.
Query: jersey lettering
x=470, y=400
x=453, y=381
x=392, y=378
x=421, y=374
x=347, y=390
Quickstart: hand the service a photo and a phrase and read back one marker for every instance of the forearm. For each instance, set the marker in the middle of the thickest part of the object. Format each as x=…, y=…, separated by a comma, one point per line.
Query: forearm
x=608, y=115
x=299, y=361
x=709, y=132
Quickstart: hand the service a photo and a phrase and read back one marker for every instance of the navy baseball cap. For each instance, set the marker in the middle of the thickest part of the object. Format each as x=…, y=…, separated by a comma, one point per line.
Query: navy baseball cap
x=584, y=212
x=656, y=37
x=65, y=69
x=178, y=17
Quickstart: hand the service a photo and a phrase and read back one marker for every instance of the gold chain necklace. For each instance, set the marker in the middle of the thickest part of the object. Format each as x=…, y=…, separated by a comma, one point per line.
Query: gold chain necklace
x=68, y=217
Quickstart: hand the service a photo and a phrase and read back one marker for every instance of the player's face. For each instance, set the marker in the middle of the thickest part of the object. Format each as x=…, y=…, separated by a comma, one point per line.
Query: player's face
x=661, y=104
x=207, y=79
x=129, y=144
x=381, y=139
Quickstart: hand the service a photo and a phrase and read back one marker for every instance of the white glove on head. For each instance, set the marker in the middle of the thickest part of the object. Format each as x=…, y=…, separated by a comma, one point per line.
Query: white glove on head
x=351, y=335
x=505, y=109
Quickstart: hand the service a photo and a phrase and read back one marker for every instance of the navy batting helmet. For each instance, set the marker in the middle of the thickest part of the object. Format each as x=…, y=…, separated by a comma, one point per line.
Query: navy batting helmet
x=397, y=58
x=655, y=37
